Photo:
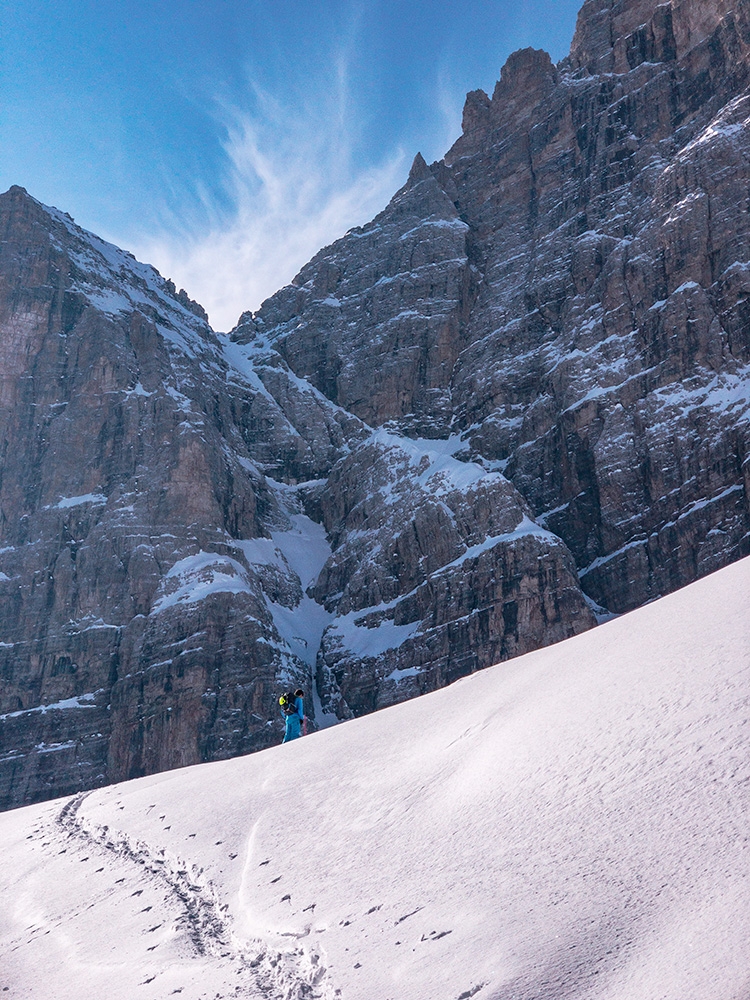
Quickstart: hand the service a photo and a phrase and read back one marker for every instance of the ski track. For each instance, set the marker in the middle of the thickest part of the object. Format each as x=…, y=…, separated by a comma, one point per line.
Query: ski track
x=296, y=974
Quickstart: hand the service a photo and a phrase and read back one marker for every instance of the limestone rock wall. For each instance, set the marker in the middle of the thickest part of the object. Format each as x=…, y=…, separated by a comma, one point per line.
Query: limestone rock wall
x=601, y=361
x=187, y=526
x=376, y=321
x=134, y=635
x=437, y=570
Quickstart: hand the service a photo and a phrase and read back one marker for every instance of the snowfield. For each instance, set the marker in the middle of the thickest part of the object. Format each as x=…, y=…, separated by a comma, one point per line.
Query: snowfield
x=572, y=824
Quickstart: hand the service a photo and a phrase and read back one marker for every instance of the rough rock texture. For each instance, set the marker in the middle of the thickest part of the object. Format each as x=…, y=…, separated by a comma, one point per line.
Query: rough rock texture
x=134, y=633
x=459, y=576
x=165, y=499
x=614, y=36
x=376, y=322
x=584, y=253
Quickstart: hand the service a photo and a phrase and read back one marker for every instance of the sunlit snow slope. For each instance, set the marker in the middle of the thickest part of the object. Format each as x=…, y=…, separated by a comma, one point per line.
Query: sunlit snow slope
x=572, y=824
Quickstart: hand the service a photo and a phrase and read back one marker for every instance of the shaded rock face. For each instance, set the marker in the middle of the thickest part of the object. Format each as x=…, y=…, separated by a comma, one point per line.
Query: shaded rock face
x=187, y=526
x=594, y=244
x=377, y=321
x=437, y=570
x=135, y=635
x=614, y=36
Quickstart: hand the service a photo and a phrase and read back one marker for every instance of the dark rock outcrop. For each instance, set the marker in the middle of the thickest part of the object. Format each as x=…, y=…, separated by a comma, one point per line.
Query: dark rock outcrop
x=437, y=570
x=376, y=322
x=134, y=634
x=585, y=250
x=168, y=499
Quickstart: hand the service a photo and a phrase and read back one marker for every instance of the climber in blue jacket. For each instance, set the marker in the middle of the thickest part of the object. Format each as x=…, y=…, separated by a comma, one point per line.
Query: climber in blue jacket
x=293, y=713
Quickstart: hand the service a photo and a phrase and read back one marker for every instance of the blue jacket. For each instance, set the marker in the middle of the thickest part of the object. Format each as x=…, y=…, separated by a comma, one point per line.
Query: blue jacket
x=293, y=721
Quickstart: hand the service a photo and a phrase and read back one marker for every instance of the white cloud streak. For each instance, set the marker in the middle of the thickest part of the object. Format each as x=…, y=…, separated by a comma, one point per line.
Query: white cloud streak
x=449, y=102
x=292, y=178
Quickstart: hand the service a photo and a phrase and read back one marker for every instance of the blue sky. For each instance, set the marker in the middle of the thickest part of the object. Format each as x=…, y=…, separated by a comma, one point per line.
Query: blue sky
x=227, y=141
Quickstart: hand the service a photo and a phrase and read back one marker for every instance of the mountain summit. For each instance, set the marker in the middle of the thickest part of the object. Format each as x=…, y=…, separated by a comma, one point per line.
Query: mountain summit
x=566, y=292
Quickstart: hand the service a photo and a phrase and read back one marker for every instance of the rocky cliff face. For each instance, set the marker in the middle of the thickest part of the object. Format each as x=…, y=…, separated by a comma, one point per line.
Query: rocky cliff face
x=518, y=398
x=568, y=289
x=135, y=633
x=182, y=517
x=437, y=570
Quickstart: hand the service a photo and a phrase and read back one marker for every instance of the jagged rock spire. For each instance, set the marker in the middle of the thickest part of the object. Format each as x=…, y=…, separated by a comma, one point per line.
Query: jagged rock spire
x=419, y=169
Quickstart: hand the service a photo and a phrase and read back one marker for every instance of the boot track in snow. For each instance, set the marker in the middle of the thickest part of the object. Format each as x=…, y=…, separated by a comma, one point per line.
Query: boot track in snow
x=297, y=974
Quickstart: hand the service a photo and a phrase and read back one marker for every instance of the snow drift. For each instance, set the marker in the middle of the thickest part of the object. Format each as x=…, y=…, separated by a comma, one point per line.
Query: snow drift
x=572, y=824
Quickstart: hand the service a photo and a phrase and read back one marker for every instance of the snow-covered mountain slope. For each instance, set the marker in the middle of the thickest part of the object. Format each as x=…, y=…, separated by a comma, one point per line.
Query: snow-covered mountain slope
x=515, y=402
x=572, y=824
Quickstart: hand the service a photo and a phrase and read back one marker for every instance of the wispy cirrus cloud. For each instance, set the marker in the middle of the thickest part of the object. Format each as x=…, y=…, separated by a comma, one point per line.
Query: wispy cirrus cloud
x=292, y=177
x=449, y=99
